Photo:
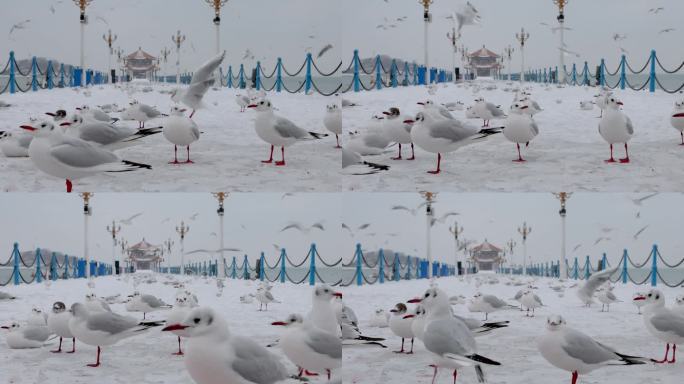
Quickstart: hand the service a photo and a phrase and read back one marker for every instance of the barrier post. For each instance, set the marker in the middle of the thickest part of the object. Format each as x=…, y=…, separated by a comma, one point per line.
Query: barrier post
x=574, y=74
x=624, y=267
x=242, y=76
x=394, y=73
x=408, y=267
x=15, y=271
x=233, y=269
x=381, y=266
x=48, y=75
x=282, y=265
x=397, y=269
x=66, y=267
x=245, y=266
x=12, y=76
x=378, y=73
x=312, y=266
x=307, y=79
x=261, y=261
x=576, y=269
x=587, y=268
x=602, y=72
x=257, y=80
x=53, y=266
x=359, y=270
x=39, y=277
x=356, y=80
x=654, y=264
x=229, y=81
x=585, y=81
x=279, y=76
x=623, y=75
x=604, y=262
x=34, y=74
x=652, y=76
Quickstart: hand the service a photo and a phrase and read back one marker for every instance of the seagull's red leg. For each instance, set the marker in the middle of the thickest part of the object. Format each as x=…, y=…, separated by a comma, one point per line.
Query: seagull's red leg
x=413, y=154
x=434, y=375
x=455, y=374
x=439, y=160
x=520, y=159
x=58, y=350
x=188, y=161
x=281, y=162
x=682, y=135
x=180, y=352
x=402, y=347
x=69, y=186
x=270, y=159
x=73, y=345
x=574, y=377
x=175, y=155
x=398, y=157
x=674, y=352
x=626, y=159
x=411, y=351
x=611, y=160
x=337, y=139
x=664, y=360
x=192, y=114
x=97, y=364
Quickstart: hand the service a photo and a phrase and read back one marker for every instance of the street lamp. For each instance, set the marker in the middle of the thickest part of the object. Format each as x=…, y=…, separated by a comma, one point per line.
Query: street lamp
x=178, y=39
x=508, y=52
x=220, y=196
x=182, y=231
x=524, y=232
x=124, y=246
x=217, y=4
x=87, y=212
x=563, y=198
x=164, y=55
x=453, y=38
x=82, y=4
x=109, y=39
x=456, y=231
x=118, y=52
x=561, y=19
x=427, y=18
x=522, y=38
x=510, y=245
x=464, y=58
x=167, y=245
x=429, y=214
x=113, y=230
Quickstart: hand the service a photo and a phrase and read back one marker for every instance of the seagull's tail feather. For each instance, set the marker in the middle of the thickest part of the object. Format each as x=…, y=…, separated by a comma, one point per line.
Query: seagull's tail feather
x=482, y=359
x=128, y=166
x=145, y=325
x=361, y=342
x=480, y=374
x=486, y=132
x=317, y=135
x=368, y=338
x=632, y=360
x=141, y=133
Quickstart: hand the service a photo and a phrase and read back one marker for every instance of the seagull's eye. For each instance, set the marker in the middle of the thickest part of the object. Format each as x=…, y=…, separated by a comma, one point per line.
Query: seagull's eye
x=42, y=125
x=649, y=295
x=657, y=297
x=427, y=295
x=196, y=320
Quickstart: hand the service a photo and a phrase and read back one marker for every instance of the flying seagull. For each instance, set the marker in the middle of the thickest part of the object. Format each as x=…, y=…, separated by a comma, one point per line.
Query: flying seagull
x=303, y=228
x=666, y=30
x=409, y=210
x=129, y=220
x=213, y=251
x=324, y=50
x=656, y=10
x=640, y=200
x=443, y=217
x=636, y=235
x=21, y=25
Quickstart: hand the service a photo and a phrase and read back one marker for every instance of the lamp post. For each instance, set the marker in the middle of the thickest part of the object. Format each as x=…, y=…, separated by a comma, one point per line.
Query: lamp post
x=220, y=196
x=178, y=39
x=87, y=212
x=82, y=4
x=456, y=231
x=182, y=231
x=561, y=19
x=510, y=245
x=167, y=245
x=118, y=52
x=109, y=39
x=217, y=4
x=427, y=18
x=522, y=38
x=429, y=214
x=453, y=38
x=464, y=57
x=524, y=231
x=508, y=52
x=164, y=56
x=124, y=246
x=113, y=230
x=563, y=198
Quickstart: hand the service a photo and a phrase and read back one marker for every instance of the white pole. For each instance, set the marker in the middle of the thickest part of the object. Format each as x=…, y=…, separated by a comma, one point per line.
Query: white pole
x=563, y=273
x=85, y=243
x=221, y=267
x=82, y=53
x=561, y=69
x=178, y=64
x=509, y=68
x=522, y=64
x=113, y=251
x=182, y=266
x=427, y=237
x=425, y=48
x=525, y=256
x=218, y=49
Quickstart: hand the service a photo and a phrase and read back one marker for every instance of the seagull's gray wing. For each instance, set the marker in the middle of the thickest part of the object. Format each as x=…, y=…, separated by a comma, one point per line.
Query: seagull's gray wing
x=668, y=322
x=518, y=295
x=611, y=295
x=324, y=343
x=255, y=363
x=286, y=128
x=537, y=299
x=493, y=301
x=102, y=133
x=445, y=113
x=495, y=111
x=197, y=90
x=318, y=226
x=110, y=322
x=206, y=70
x=535, y=128
x=584, y=348
x=81, y=154
x=292, y=226
x=448, y=336
x=350, y=158
x=37, y=333
x=152, y=301
x=375, y=140
x=363, y=226
x=452, y=130
x=269, y=295
x=596, y=280
x=148, y=110
x=630, y=127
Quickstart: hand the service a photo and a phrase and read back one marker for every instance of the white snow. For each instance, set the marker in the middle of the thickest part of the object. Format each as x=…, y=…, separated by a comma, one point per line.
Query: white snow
x=515, y=347
x=146, y=358
x=227, y=156
x=568, y=154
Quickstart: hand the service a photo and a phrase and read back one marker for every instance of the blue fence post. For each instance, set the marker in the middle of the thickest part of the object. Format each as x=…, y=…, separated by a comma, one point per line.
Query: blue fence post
x=378, y=73
x=394, y=73
x=624, y=267
x=359, y=270
x=34, y=74
x=229, y=81
x=408, y=267
x=39, y=277
x=312, y=266
x=279, y=75
x=307, y=79
x=652, y=76
x=262, y=273
x=587, y=268
x=282, y=265
x=602, y=72
x=66, y=267
x=576, y=269
x=397, y=269
x=245, y=268
x=53, y=266
x=623, y=75
x=574, y=74
x=233, y=269
x=585, y=81
x=48, y=75
x=604, y=262
x=15, y=271
x=12, y=79
x=381, y=266
x=356, y=80
x=61, y=76
x=242, y=76
x=415, y=74
x=257, y=79
x=654, y=265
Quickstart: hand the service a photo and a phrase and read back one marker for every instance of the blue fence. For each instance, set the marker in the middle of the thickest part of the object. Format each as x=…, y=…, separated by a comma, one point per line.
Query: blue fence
x=47, y=267
x=646, y=76
x=653, y=270
x=13, y=80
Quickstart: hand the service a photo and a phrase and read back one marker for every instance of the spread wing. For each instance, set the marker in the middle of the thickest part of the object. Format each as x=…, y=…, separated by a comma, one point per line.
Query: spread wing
x=205, y=71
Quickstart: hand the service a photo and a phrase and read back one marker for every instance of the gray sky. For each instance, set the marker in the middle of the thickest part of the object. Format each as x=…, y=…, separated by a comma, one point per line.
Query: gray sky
x=593, y=22
x=496, y=217
x=55, y=221
x=269, y=28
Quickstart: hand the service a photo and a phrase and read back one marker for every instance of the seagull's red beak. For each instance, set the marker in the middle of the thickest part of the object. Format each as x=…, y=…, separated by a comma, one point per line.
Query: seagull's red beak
x=50, y=114
x=409, y=316
x=386, y=113
x=337, y=294
x=5, y=327
x=414, y=300
x=174, y=327
x=79, y=108
x=27, y=127
x=409, y=121
x=620, y=103
x=393, y=310
x=420, y=103
x=252, y=106
x=183, y=110
x=639, y=298
x=278, y=323
x=65, y=124
x=524, y=107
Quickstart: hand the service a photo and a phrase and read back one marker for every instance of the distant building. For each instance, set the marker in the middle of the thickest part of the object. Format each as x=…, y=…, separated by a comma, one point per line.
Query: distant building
x=486, y=257
x=144, y=256
x=140, y=64
x=484, y=62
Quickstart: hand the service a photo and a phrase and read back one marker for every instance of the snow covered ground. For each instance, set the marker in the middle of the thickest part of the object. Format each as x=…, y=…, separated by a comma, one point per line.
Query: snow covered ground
x=227, y=156
x=142, y=359
x=568, y=154
x=515, y=346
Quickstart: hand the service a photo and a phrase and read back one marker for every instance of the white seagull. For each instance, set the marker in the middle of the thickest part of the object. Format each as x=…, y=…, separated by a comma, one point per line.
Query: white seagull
x=397, y=130
x=333, y=121
x=400, y=324
x=180, y=130
x=28, y=336
x=677, y=119
x=663, y=323
x=202, y=80
x=487, y=111
x=616, y=127
x=520, y=128
x=58, y=324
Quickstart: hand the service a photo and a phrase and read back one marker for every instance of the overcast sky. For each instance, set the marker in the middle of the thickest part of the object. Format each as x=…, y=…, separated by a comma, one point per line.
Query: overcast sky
x=268, y=28
x=496, y=217
x=593, y=23
x=55, y=221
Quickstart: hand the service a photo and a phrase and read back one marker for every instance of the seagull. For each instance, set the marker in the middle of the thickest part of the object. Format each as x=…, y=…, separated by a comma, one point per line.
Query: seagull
x=677, y=119
x=103, y=329
x=333, y=121
x=616, y=127
x=322, y=313
x=323, y=50
x=576, y=247
x=202, y=80
x=302, y=228
x=574, y=351
x=58, y=324
x=243, y=101
x=353, y=159
x=442, y=218
x=193, y=216
x=666, y=30
x=663, y=323
x=22, y=337
x=6, y=296
x=213, y=251
x=215, y=355
x=656, y=10
x=180, y=131
x=636, y=235
x=412, y=211
x=20, y=25
x=15, y=144
x=468, y=15
x=586, y=291
x=400, y=324
x=531, y=301
x=520, y=127
x=140, y=113
x=397, y=130
x=606, y=297
x=264, y=296
x=568, y=52
x=95, y=304
x=308, y=347
x=180, y=312
x=486, y=304
x=71, y=158
x=359, y=228
x=129, y=220
x=145, y=303
x=486, y=110
x=277, y=130
x=640, y=200
x=639, y=300
x=619, y=37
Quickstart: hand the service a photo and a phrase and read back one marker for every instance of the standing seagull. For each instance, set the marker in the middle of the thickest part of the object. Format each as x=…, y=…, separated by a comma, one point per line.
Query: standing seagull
x=145, y=304
x=586, y=291
x=277, y=130
x=616, y=127
x=443, y=136
x=180, y=130
x=58, y=323
x=214, y=355
x=397, y=130
x=571, y=350
x=677, y=119
x=663, y=323
x=400, y=324
x=520, y=127
x=242, y=101
x=487, y=111
x=140, y=113
x=333, y=121
x=486, y=304
x=71, y=158
x=322, y=313
x=202, y=80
